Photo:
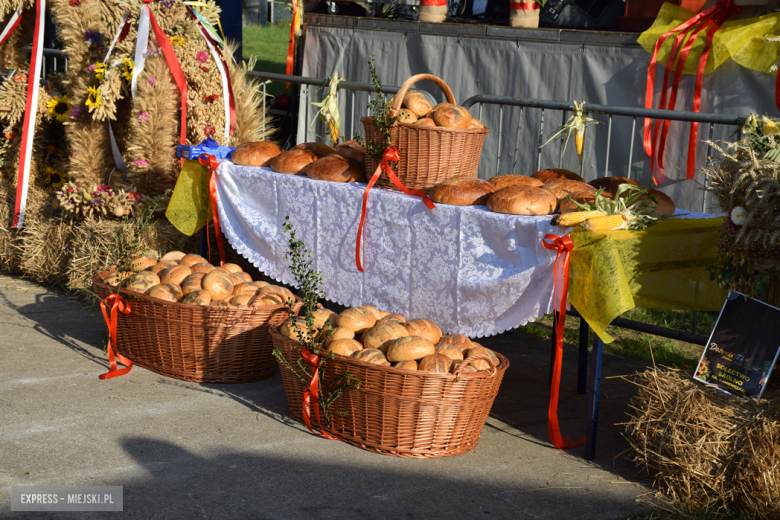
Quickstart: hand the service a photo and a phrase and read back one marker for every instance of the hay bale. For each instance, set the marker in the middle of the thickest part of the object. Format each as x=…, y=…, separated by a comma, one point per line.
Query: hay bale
x=95, y=239
x=43, y=245
x=706, y=449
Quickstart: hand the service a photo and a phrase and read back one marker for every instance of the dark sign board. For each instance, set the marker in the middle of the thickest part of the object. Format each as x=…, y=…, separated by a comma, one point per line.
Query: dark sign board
x=743, y=347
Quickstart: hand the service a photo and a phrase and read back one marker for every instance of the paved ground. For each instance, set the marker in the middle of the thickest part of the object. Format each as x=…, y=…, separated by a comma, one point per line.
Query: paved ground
x=184, y=450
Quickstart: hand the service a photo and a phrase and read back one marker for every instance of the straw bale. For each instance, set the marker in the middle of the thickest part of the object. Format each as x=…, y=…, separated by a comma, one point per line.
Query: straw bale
x=706, y=449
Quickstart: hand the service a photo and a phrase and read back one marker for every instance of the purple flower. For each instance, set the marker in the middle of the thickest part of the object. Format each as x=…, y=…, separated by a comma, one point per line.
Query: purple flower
x=76, y=112
x=202, y=56
x=143, y=117
x=92, y=68
x=141, y=162
x=96, y=202
x=93, y=37
x=75, y=153
x=151, y=81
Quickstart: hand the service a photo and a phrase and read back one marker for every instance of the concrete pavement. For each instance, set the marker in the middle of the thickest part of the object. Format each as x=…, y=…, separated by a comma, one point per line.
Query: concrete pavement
x=185, y=450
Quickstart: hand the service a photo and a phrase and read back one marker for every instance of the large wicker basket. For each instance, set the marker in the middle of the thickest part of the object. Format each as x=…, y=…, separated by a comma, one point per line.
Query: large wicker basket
x=429, y=155
x=197, y=343
x=402, y=413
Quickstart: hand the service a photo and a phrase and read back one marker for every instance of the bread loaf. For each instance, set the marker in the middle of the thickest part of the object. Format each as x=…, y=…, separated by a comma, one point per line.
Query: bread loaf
x=380, y=336
x=435, y=362
x=522, y=200
x=410, y=347
x=344, y=347
x=173, y=256
x=255, y=154
x=417, y=103
x=198, y=298
x=190, y=260
x=562, y=187
x=461, y=191
x=425, y=329
x=502, y=181
x=320, y=149
x=452, y=117
x=335, y=168
x=349, y=153
x=406, y=116
x=357, y=319
x=406, y=365
x=457, y=340
x=391, y=317
x=373, y=310
x=425, y=121
x=166, y=291
x=144, y=281
x=292, y=161
x=554, y=174
x=351, y=144
x=372, y=356
x=451, y=351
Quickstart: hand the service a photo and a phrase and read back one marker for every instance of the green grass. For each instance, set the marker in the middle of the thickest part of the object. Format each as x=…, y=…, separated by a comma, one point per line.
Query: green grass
x=269, y=46
x=639, y=345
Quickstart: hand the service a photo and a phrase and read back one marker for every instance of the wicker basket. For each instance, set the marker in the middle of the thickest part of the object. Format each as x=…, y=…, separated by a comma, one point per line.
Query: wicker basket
x=197, y=343
x=429, y=155
x=402, y=413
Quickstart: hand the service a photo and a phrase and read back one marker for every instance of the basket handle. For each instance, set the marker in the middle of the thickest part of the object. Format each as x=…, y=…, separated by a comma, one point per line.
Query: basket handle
x=479, y=357
x=399, y=97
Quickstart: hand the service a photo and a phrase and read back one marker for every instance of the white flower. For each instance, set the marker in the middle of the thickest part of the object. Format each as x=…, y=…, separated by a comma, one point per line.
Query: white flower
x=739, y=215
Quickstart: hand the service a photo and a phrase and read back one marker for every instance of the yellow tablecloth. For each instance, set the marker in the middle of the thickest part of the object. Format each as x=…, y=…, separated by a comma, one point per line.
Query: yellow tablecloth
x=662, y=267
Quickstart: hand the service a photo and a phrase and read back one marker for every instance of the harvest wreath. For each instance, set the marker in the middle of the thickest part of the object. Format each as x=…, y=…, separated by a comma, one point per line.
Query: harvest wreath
x=404, y=389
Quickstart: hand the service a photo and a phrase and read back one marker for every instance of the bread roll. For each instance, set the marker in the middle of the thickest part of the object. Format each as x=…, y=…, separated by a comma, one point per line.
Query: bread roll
x=391, y=317
x=522, y=200
x=349, y=153
x=202, y=267
x=451, y=351
x=219, y=303
x=476, y=123
x=357, y=319
x=339, y=333
x=161, y=266
x=380, y=336
x=554, y=174
x=190, y=260
x=372, y=356
x=665, y=206
x=457, y=340
x=425, y=329
x=351, y=144
x=461, y=191
x=442, y=105
x=502, y=181
x=193, y=283
x=288, y=328
x=219, y=284
x=335, y=168
x=323, y=316
x=197, y=298
x=292, y=161
x=611, y=184
x=143, y=281
x=166, y=291
x=417, y=103
x=426, y=121
x=344, y=347
x=255, y=154
x=406, y=365
x=480, y=350
x=175, y=274
x=233, y=268
x=320, y=149
x=173, y=256
x=245, y=288
x=113, y=279
x=435, y=362
x=407, y=116
x=562, y=187
x=143, y=263
x=452, y=117
x=410, y=347
x=373, y=310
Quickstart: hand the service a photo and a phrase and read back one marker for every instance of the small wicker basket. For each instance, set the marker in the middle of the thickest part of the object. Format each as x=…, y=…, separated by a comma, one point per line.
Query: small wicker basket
x=402, y=413
x=429, y=155
x=197, y=343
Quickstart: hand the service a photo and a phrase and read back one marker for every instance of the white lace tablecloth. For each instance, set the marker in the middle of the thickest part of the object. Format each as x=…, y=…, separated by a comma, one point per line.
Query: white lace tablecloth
x=470, y=270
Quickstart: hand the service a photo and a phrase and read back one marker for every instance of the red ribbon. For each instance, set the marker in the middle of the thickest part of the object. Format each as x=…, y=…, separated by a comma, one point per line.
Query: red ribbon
x=173, y=64
x=312, y=392
x=563, y=246
x=390, y=155
x=709, y=21
x=117, y=304
x=291, y=44
x=13, y=27
x=524, y=6
x=432, y=3
x=210, y=162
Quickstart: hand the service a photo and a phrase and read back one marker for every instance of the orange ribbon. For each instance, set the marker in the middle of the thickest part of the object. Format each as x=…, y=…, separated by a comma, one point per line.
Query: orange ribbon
x=391, y=155
x=291, y=45
x=210, y=162
x=563, y=246
x=710, y=22
x=117, y=304
x=524, y=6
x=312, y=392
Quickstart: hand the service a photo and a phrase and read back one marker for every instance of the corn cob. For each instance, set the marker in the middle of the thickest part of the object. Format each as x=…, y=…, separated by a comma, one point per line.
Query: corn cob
x=605, y=223
x=574, y=218
x=579, y=141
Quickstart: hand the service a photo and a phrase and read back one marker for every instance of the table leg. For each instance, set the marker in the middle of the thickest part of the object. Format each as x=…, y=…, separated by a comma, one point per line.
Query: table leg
x=593, y=400
x=552, y=346
x=582, y=359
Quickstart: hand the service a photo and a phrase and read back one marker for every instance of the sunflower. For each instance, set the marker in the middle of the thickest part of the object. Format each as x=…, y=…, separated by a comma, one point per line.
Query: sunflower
x=94, y=98
x=127, y=69
x=54, y=178
x=177, y=40
x=100, y=71
x=59, y=107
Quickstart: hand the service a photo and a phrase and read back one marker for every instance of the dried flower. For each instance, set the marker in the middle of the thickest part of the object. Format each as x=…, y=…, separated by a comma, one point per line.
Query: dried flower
x=76, y=112
x=74, y=154
x=94, y=98
x=142, y=162
x=75, y=3
x=150, y=81
x=209, y=130
x=143, y=117
x=737, y=217
x=202, y=56
x=59, y=107
x=93, y=38
x=177, y=40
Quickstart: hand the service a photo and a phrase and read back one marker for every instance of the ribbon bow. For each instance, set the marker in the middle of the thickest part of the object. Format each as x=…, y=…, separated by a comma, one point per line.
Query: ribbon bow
x=390, y=155
x=710, y=22
x=563, y=246
x=210, y=162
x=117, y=304
x=312, y=391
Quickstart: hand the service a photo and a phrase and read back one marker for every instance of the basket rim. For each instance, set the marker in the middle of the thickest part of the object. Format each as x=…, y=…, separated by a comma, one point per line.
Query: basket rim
x=484, y=130
x=100, y=278
x=502, y=366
